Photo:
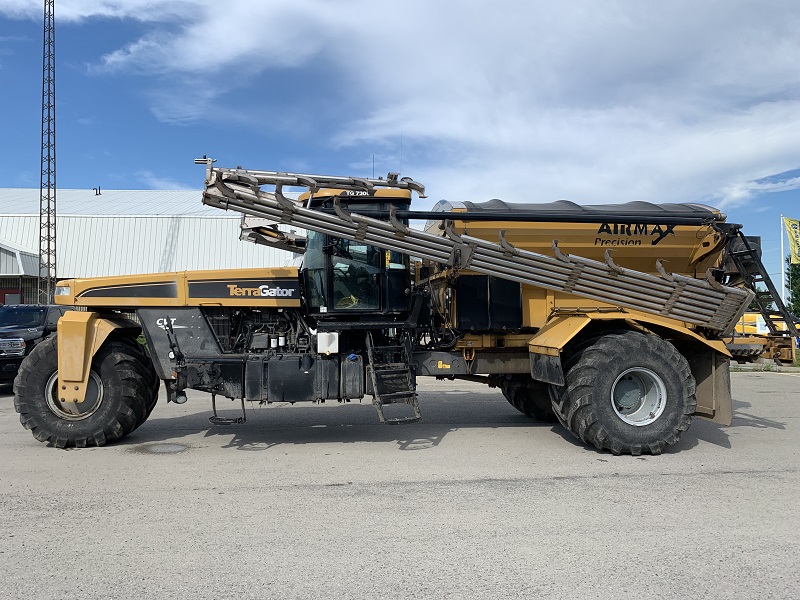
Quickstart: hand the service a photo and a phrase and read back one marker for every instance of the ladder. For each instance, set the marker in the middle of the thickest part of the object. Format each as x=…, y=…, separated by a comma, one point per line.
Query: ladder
x=391, y=378
x=768, y=301
x=705, y=303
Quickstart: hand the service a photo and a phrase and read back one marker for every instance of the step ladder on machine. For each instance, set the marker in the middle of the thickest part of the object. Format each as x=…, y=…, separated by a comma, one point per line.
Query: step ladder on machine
x=391, y=378
x=768, y=301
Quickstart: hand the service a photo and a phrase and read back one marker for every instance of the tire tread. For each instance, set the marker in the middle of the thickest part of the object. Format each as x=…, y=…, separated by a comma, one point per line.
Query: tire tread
x=128, y=394
x=575, y=403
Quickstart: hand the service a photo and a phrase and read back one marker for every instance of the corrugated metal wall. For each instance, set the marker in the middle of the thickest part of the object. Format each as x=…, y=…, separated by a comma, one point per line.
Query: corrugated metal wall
x=92, y=246
x=8, y=262
x=17, y=260
x=25, y=201
x=30, y=263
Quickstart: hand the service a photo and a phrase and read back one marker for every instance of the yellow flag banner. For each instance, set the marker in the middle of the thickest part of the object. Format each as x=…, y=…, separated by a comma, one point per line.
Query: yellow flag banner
x=793, y=230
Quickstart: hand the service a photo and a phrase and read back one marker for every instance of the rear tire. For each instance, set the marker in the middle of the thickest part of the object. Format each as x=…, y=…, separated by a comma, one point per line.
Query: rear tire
x=529, y=397
x=117, y=401
x=626, y=392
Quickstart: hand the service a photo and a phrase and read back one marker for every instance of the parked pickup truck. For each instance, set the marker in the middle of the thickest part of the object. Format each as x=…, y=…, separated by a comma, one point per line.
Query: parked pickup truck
x=22, y=326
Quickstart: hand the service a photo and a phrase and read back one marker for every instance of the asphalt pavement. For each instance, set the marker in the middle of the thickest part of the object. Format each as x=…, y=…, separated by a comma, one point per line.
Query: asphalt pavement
x=475, y=501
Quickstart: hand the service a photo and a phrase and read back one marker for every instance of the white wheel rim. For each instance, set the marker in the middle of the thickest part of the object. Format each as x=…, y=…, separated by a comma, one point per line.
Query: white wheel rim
x=638, y=396
x=69, y=410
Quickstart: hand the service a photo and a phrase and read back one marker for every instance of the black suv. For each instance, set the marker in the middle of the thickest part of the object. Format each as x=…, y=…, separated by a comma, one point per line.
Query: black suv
x=22, y=326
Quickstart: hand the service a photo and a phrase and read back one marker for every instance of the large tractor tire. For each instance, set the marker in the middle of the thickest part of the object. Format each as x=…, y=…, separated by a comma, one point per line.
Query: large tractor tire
x=529, y=397
x=119, y=396
x=626, y=392
x=146, y=364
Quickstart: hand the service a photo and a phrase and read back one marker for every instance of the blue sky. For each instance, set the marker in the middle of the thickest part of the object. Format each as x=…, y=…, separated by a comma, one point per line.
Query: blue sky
x=596, y=102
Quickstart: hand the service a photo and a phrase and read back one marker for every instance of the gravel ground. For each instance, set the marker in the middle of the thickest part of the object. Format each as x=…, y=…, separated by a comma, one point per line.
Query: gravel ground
x=476, y=501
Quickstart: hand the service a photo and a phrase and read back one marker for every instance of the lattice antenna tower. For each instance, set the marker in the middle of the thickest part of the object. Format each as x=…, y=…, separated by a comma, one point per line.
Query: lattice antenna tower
x=47, y=182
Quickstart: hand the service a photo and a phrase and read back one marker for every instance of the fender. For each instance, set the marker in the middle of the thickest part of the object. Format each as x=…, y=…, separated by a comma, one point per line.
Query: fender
x=80, y=336
x=708, y=359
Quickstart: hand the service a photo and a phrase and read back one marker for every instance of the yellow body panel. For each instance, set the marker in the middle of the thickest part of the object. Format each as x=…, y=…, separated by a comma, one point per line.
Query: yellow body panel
x=685, y=249
x=377, y=193
x=80, y=335
x=752, y=323
x=557, y=333
x=273, y=287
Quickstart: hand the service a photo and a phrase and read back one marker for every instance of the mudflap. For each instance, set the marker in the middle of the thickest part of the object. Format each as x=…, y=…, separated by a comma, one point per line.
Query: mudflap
x=712, y=375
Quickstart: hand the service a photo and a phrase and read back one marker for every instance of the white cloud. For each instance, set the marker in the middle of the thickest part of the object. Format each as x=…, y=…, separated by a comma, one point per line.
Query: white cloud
x=531, y=101
x=80, y=10
x=155, y=182
x=740, y=193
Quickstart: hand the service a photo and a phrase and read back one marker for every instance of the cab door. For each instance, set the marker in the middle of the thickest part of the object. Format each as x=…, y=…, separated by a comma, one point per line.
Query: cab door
x=355, y=276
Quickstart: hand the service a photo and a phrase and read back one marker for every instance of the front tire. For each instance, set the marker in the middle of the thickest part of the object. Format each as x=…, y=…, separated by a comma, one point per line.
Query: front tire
x=117, y=400
x=626, y=392
x=148, y=371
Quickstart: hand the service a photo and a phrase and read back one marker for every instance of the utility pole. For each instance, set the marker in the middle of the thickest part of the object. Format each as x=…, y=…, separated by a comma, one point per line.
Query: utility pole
x=47, y=182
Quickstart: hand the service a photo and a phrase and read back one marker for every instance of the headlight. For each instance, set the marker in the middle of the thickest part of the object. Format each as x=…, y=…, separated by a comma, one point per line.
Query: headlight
x=62, y=290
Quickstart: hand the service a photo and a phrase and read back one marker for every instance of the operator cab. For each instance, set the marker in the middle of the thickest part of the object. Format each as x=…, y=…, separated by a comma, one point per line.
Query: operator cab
x=349, y=278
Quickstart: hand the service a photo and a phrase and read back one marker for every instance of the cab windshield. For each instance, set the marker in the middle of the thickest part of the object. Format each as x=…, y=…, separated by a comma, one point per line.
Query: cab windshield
x=352, y=277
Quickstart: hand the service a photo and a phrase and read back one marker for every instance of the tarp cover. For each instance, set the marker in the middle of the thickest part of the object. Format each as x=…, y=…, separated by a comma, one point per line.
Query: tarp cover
x=633, y=209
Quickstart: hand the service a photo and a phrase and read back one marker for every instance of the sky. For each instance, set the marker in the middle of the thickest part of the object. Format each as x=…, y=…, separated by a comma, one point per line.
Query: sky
x=523, y=100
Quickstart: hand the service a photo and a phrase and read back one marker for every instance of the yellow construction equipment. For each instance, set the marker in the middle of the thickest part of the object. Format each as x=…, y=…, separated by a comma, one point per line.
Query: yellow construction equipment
x=609, y=319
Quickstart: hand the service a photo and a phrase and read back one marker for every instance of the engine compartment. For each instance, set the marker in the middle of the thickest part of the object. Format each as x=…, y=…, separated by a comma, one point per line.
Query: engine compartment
x=258, y=331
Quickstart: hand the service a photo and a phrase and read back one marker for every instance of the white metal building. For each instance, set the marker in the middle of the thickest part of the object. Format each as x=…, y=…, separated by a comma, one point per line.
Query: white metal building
x=121, y=232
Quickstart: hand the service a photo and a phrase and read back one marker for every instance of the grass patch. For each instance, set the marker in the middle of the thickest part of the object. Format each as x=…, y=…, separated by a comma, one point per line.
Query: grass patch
x=753, y=367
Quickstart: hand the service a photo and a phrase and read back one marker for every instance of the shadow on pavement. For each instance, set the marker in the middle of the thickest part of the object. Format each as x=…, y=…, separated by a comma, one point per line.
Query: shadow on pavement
x=747, y=419
x=267, y=428
x=270, y=427
x=716, y=434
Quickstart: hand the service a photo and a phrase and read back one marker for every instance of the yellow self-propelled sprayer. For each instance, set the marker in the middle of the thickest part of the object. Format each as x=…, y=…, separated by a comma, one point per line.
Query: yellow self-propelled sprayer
x=608, y=319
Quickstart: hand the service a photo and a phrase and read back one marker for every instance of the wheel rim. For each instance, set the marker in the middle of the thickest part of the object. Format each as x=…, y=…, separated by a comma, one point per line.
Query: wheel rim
x=75, y=411
x=638, y=396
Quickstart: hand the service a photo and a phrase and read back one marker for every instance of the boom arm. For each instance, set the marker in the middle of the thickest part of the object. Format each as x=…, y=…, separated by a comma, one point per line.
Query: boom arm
x=703, y=303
